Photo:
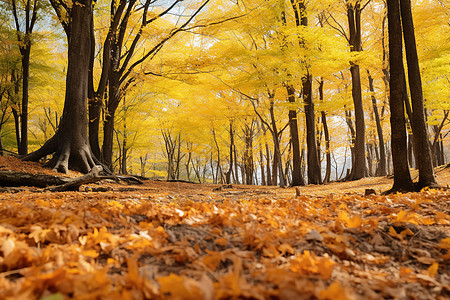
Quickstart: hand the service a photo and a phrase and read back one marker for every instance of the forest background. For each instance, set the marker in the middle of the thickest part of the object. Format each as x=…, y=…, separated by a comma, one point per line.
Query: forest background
x=208, y=90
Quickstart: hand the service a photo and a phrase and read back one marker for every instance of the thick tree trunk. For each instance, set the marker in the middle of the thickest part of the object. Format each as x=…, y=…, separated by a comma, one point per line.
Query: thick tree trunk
x=70, y=143
x=420, y=135
x=297, y=178
x=402, y=176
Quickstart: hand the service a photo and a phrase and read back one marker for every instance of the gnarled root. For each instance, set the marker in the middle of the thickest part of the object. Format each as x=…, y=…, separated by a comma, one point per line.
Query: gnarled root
x=73, y=154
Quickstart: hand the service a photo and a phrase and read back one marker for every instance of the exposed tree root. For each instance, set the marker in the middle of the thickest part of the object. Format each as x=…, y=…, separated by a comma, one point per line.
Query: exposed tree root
x=416, y=188
x=68, y=153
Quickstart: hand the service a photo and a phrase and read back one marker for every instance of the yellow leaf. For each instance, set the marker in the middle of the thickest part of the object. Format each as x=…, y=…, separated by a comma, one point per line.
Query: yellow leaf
x=351, y=222
x=90, y=253
x=432, y=270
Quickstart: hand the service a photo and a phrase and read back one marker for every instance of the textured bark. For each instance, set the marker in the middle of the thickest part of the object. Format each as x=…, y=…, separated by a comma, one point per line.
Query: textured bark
x=420, y=135
x=70, y=143
x=402, y=176
x=8, y=178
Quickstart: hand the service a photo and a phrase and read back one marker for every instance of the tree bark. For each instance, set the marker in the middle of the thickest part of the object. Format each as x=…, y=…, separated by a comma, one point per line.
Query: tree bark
x=70, y=143
x=402, y=176
x=420, y=135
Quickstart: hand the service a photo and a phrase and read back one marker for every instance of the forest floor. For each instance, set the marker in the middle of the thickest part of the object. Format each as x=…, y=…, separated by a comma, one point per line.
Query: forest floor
x=173, y=240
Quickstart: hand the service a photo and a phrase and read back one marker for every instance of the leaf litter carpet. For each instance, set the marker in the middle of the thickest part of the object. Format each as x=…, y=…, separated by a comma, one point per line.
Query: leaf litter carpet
x=202, y=241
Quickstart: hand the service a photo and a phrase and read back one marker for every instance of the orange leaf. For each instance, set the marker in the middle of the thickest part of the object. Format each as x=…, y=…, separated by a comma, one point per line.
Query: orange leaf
x=432, y=270
x=404, y=271
x=221, y=242
x=180, y=287
x=212, y=259
x=336, y=292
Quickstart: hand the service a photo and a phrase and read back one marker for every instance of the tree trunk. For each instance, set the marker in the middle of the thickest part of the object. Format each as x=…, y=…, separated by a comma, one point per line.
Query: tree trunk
x=381, y=169
x=402, y=176
x=420, y=135
x=354, y=22
x=230, y=170
x=268, y=171
x=327, y=148
x=327, y=136
x=277, y=170
x=314, y=174
x=24, y=39
x=236, y=172
x=297, y=178
x=25, y=52
x=70, y=143
x=248, y=154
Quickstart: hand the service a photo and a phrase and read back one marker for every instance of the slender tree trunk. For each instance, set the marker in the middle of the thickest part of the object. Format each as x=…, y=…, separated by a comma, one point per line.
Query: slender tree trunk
x=327, y=148
x=402, y=176
x=17, y=125
x=23, y=148
x=327, y=136
x=420, y=136
x=297, y=178
x=236, y=172
x=277, y=170
x=263, y=175
x=230, y=169
x=24, y=39
x=381, y=169
x=248, y=154
x=268, y=171
x=354, y=21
